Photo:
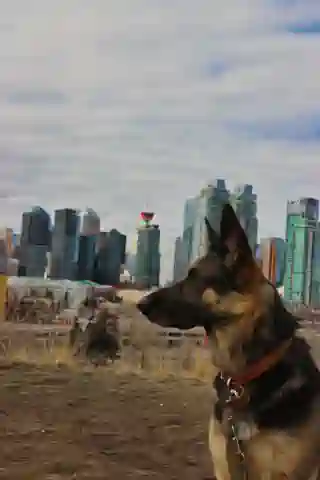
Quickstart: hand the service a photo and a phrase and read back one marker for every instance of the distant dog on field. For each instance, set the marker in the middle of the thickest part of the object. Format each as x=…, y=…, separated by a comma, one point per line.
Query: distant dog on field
x=95, y=332
x=266, y=414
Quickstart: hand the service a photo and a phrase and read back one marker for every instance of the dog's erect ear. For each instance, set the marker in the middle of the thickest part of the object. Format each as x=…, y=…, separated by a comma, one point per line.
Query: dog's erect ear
x=213, y=237
x=232, y=233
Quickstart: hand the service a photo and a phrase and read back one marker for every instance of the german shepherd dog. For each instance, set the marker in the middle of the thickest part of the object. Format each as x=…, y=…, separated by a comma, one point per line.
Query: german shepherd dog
x=266, y=414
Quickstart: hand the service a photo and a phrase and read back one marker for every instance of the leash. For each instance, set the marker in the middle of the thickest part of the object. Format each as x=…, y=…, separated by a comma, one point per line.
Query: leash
x=235, y=452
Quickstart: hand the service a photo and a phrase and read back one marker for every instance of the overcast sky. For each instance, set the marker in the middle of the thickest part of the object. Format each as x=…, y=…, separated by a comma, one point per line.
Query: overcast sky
x=122, y=105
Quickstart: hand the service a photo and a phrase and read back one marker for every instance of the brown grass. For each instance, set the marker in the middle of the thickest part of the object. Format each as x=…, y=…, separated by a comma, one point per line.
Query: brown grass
x=139, y=418
x=143, y=351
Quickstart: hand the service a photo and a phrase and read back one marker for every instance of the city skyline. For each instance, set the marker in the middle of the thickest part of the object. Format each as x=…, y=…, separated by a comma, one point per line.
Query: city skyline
x=165, y=276
x=87, y=253
x=71, y=245
x=136, y=221
x=119, y=106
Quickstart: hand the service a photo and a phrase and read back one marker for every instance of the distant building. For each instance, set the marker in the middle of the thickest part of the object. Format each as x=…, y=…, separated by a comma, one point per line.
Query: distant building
x=89, y=223
x=88, y=240
x=16, y=239
x=110, y=255
x=273, y=256
x=130, y=263
x=189, y=220
x=101, y=259
x=3, y=253
x=123, y=245
x=16, y=248
x=302, y=275
x=6, y=249
x=179, y=261
x=10, y=240
x=34, y=242
x=87, y=256
x=210, y=203
x=244, y=203
x=65, y=244
x=147, y=271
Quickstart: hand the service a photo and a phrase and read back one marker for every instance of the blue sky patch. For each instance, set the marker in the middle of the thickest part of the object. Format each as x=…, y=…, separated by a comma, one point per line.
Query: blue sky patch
x=216, y=68
x=311, y=27
x=301, y=129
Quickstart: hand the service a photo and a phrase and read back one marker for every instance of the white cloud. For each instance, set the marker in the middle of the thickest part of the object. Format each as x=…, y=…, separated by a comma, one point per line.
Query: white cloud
x=124, y=105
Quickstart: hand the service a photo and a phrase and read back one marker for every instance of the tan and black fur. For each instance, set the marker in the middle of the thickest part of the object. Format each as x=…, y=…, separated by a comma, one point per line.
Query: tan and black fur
x=245, y=319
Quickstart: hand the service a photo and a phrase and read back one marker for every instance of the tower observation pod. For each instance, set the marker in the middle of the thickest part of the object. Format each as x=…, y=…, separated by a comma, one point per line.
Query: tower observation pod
x=147, y=218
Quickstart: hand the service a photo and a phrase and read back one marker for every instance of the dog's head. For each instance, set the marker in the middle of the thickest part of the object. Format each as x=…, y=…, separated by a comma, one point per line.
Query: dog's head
x=225, y=292
x=215, y=283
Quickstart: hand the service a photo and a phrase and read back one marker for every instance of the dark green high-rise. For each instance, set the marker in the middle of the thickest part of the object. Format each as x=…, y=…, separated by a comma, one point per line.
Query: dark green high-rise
x=147, y=270
x=302, y=275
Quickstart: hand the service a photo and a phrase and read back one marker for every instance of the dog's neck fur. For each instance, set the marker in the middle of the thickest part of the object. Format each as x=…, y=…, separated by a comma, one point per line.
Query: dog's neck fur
x=235, y=348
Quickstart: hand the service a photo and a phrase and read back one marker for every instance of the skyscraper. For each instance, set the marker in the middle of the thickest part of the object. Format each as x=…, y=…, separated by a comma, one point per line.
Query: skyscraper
x=209, y=203
x=122, y=246
x=89, y=233
x=302, y=275
x=180, y=260
x=147, y=271
x=89, y=223
x=272, y=254
x=34, y=242
x=86, y=257
x=189, y=219
x=109, y=259
x=244, y=203
x=65, y=244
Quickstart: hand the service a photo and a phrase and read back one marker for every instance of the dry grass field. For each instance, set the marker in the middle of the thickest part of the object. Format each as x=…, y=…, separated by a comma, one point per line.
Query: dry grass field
x=144, y=417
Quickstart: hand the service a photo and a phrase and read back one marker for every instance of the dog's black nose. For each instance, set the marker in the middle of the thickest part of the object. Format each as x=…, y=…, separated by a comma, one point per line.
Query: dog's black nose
x=144, y=305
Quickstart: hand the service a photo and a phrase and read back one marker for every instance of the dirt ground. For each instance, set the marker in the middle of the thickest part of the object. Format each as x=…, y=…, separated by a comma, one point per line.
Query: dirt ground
x=58, y=423
x=64, y=421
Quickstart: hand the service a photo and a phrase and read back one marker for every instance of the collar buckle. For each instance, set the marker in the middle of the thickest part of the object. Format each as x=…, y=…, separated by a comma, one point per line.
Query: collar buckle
x=236, y=391
x=229, y=390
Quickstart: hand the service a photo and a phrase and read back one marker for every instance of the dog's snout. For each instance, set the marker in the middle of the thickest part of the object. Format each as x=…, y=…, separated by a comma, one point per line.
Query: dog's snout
x=144, y=305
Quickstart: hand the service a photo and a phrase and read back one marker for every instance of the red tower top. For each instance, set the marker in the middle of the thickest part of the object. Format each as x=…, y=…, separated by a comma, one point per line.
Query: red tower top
x=147, y=216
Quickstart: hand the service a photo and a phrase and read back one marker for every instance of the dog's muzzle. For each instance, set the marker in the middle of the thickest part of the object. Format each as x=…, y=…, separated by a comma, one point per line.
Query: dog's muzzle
x=144, y=305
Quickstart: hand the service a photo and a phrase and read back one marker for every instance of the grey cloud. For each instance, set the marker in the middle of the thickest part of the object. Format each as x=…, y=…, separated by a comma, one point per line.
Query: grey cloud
x=127, y=105
x=35, y=98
